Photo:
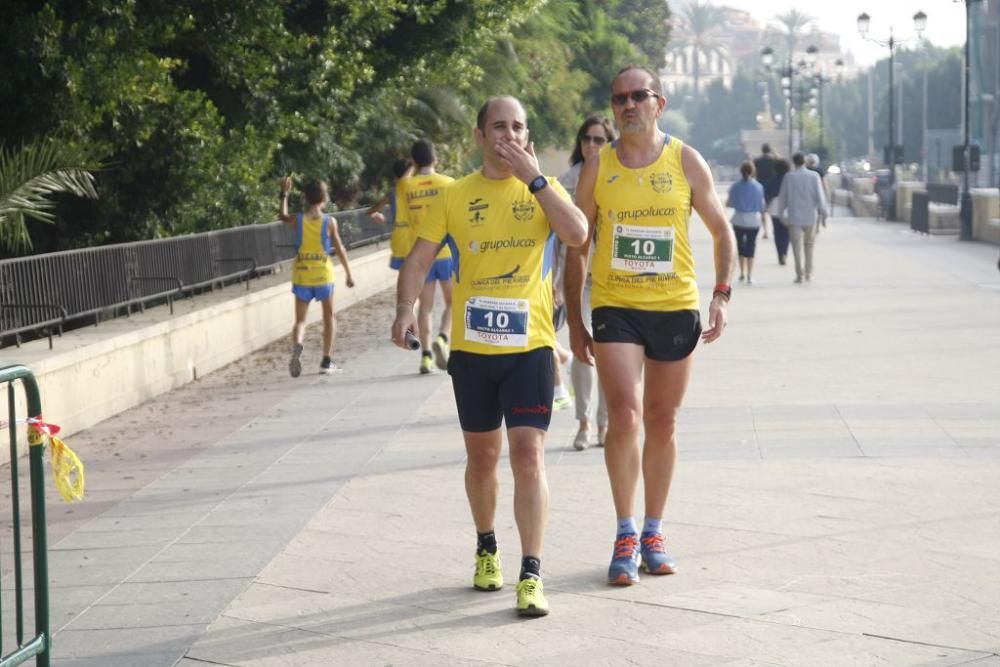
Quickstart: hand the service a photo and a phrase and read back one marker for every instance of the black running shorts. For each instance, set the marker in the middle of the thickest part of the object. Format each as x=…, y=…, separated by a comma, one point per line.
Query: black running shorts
x=665, y=335
x=516, y=388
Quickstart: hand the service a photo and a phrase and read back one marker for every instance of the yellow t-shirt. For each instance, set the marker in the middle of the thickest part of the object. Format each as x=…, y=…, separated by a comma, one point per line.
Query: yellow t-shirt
x=503, y=251
x=642, y=254
x=421, y=194
x=312, y=265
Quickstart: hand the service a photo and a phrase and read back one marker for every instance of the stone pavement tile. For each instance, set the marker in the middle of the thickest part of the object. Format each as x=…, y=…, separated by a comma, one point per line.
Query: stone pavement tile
x=632, y=651
x=708, y=420
x=733, y=440
x=823, y=448
x=988, y=414
x=742, y=600
x=162, y=604
x=914, y=437
x=255, y=645
x=862, y=650
x=150, y=646
x=857, y=617
x=902, y=451
x=734, y=638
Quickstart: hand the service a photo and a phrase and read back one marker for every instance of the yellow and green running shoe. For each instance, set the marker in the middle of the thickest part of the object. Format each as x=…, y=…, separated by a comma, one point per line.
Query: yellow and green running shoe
x=489, y=574
x=530, y=598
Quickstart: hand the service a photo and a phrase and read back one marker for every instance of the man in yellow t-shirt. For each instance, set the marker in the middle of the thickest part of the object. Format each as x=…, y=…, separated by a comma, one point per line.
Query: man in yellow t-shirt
x=500, y=223
x=419, y=198
x=637, y=195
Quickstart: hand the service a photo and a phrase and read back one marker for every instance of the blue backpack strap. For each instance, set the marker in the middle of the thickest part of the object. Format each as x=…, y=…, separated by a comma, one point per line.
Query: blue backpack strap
x=298, y=232
x=325, y=234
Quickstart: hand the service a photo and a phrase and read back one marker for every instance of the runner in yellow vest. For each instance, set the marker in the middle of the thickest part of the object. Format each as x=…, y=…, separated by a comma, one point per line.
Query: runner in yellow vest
x=419, y=201
x=500, y=223
x=637, y=195
x=312, y=271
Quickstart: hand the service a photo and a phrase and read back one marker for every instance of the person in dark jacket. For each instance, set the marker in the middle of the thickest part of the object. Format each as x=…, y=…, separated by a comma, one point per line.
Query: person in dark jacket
x=772, y=187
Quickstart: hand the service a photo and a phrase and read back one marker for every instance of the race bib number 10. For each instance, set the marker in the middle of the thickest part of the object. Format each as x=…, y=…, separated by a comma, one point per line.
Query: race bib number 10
x=494, y=321
x=643, y=249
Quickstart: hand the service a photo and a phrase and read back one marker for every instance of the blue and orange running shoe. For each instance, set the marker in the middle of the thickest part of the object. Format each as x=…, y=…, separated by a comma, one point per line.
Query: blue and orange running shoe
x=654, y=557
x=624, y=569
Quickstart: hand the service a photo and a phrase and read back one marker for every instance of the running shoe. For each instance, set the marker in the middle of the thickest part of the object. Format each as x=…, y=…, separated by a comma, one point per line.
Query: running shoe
x=326, y=367
x=295, y=364
x=624, y=569
x=441, y=350
x=654, y=557
x=530, y=598
x=489, y=574
x=426, y=365
x=581, y=440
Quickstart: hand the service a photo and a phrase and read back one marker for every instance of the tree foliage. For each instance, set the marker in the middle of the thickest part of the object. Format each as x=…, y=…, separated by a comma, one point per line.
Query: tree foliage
x=197, y=106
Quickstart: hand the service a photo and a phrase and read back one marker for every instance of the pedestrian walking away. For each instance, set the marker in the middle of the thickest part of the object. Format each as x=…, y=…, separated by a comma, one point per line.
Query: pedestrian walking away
x=501, y=223
x=312, y=272
x=637, y=196
x=765, y=164
x=778, y=227
x=419, y=195
x=801, y=205
x=595, y=132
x=746, y=198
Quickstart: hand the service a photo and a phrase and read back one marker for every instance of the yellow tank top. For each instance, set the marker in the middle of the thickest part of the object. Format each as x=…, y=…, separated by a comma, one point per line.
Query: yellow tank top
x=312, y=264
x=642, y=254
x=422, y=200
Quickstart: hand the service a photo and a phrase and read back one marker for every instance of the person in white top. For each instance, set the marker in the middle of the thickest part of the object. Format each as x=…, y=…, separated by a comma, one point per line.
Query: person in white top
x=595, y=132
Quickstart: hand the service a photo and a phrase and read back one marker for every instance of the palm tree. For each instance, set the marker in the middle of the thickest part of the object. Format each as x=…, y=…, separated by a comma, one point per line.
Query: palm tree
x=699, y=23
x=791, y=25
x=29, y=176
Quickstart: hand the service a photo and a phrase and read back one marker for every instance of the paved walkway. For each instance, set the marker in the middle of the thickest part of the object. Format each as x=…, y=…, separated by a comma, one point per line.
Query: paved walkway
x=837, y=499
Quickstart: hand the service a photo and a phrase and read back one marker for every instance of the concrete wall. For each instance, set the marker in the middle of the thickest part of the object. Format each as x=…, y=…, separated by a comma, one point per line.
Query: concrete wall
x=986, y=215
x=96, y=372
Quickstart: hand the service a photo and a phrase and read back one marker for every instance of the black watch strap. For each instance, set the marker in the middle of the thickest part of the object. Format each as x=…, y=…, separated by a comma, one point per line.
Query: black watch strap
x=538, y=183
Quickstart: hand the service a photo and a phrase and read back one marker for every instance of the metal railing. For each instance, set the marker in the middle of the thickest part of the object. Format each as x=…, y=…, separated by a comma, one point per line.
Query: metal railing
x=44, y=292
x=38, y=645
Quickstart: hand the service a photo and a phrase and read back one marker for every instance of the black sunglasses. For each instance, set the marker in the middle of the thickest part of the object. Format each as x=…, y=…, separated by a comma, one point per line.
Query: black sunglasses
x=597, y=141
x=638, y=96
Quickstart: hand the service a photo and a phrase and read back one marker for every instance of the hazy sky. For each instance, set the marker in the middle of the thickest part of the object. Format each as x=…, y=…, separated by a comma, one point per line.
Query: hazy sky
x=945, y=20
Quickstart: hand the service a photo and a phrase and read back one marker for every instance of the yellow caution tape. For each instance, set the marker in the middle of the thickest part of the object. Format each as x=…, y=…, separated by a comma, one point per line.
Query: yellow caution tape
x=67, y=469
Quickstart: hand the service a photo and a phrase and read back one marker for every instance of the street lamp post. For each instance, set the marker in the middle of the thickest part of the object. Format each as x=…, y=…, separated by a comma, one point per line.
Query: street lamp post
x=820, y=79
x=787, y=75
x=965, y=212
x=864, y=25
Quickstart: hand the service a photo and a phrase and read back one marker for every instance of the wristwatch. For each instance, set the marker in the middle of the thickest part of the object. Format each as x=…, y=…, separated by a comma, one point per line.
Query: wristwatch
x=723, y=290
x=538, y=183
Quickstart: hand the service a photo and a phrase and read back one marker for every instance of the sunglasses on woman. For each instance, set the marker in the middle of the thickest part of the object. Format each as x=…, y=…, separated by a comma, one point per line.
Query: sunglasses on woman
x=638, y=96
x=596, y=141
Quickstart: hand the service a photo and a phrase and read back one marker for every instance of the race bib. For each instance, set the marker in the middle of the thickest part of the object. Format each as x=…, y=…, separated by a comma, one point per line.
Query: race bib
x=642, y=249
x=494, y=321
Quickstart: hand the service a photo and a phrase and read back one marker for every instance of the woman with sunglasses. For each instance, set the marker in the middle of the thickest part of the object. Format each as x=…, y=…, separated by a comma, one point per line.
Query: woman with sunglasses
x=595, y=132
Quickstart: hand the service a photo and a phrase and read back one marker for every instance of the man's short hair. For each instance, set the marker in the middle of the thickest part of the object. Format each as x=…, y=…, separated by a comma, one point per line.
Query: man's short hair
x=422, y=153
x=315, y=192
x=654, y=80
x=746, y=169
x=766, y=148
x=485, y=109
x=798, y=159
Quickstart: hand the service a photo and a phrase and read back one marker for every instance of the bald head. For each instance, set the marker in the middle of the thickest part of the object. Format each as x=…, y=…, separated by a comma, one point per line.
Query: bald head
x=484, y=111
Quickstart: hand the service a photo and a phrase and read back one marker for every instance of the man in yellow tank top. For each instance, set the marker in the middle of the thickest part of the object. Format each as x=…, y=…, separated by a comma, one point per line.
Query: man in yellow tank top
x=500, y=223
x=420, y=199
x=312, y=272
x=637, y=195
